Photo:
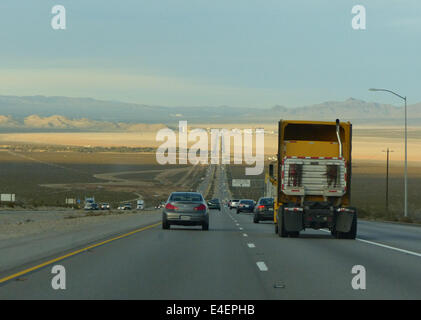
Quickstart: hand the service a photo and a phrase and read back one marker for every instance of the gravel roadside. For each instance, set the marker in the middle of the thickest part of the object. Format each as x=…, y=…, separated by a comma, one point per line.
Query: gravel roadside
x=29, y=236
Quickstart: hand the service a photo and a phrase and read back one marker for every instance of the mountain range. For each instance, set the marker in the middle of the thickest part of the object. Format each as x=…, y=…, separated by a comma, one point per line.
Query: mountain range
x=84, y=114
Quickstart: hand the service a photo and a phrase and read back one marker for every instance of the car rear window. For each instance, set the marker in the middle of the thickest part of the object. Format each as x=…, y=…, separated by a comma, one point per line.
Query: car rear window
x=193, y=197
x=266, y=201
x=246, y=201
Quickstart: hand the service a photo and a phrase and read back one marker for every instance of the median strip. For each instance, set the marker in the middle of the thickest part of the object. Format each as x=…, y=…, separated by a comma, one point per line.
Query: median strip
x=20, y=273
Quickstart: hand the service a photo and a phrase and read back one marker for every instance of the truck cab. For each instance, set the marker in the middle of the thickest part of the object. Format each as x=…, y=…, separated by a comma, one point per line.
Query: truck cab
x=314, y=178
x=140, y=204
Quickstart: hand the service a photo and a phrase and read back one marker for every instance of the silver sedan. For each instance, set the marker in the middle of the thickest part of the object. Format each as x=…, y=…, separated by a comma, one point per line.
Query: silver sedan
x=185, y=208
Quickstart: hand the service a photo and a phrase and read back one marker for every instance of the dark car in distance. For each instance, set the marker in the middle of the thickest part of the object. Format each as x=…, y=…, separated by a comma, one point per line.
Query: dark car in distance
x=187, y=209
x=245, y=205
x=214, y=204
x=263, y=210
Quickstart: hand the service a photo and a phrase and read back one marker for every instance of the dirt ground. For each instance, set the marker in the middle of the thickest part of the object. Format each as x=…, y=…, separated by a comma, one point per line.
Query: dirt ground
x=41, y=178
x=15, y=224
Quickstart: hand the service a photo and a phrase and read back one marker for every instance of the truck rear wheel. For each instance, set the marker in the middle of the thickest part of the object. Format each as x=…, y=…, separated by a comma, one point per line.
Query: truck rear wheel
x=352, y=233
x=281, y=226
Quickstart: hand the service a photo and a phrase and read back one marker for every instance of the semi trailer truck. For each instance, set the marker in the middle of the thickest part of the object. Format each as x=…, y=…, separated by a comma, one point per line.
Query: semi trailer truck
x=313, y=178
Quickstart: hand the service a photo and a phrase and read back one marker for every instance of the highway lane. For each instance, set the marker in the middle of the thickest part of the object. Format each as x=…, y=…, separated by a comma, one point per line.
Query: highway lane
x=235, y=259
x=407, y=237
x=181, y=263
x=318, y=266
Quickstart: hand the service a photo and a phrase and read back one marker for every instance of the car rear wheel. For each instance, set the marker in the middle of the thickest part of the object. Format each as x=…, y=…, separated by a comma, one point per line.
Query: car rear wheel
x=205, y=226
x=165, y=225
x=255, y=219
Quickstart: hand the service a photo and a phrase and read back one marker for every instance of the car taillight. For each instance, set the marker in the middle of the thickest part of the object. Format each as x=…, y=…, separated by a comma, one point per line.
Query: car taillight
x=170, y=206
x=261, y=207
x=202, y=207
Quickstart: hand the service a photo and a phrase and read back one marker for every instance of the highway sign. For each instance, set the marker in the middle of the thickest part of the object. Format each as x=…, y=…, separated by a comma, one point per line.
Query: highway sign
x=241, y=183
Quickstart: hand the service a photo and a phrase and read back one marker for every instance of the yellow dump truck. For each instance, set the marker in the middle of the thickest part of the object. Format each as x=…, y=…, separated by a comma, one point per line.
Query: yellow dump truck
x=313, y=178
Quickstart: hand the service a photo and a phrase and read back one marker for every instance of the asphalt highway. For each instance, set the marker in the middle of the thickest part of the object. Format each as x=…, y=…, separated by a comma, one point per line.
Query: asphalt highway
x=235, y=259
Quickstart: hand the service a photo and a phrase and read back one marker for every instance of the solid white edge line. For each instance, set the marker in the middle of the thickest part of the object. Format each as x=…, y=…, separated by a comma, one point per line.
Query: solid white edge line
x=384, y=246
x=262, y=266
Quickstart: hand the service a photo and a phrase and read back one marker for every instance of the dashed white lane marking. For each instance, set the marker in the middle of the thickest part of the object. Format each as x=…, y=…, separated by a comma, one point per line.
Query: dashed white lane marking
x=416, y=254
x=262, y=266
x=237, y=224
x=241, y=228
x=245, y=235
x=251, y=245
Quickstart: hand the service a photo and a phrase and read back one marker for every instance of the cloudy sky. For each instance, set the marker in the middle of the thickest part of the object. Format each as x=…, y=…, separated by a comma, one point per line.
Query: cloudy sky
x=255, y=53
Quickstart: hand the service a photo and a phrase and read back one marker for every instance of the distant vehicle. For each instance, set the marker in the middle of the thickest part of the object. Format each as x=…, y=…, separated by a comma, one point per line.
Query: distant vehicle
x=233, y=203
x=214, y=204
x=89, y=200
x=140, y=205
x=263, y=211
x=105, y=206
x=125, y=206
x=245, y=205
x=185, y=208
x=91, y=206
x=160, y=205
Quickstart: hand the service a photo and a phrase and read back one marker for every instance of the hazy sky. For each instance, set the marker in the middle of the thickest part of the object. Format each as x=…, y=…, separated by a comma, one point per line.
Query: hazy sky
x=211, y=52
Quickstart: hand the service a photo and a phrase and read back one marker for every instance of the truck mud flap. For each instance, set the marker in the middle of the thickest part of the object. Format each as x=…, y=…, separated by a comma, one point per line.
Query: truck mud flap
x=293, y=221
x=344, y=221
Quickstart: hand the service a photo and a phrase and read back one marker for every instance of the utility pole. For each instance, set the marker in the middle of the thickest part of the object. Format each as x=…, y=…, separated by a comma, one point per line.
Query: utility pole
x=405, y=211
x=387, y=179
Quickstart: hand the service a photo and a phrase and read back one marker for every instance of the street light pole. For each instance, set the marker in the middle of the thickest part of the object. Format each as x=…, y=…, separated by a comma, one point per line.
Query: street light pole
x=406, y=165
x=387, y=178
x=406, y=150
x=387, y=181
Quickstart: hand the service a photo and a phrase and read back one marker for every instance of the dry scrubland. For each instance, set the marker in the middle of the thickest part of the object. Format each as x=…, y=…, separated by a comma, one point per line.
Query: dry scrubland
x=46, y=178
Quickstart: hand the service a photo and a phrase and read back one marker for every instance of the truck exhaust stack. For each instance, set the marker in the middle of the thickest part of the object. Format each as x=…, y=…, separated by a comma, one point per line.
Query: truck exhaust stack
x=339, y=137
